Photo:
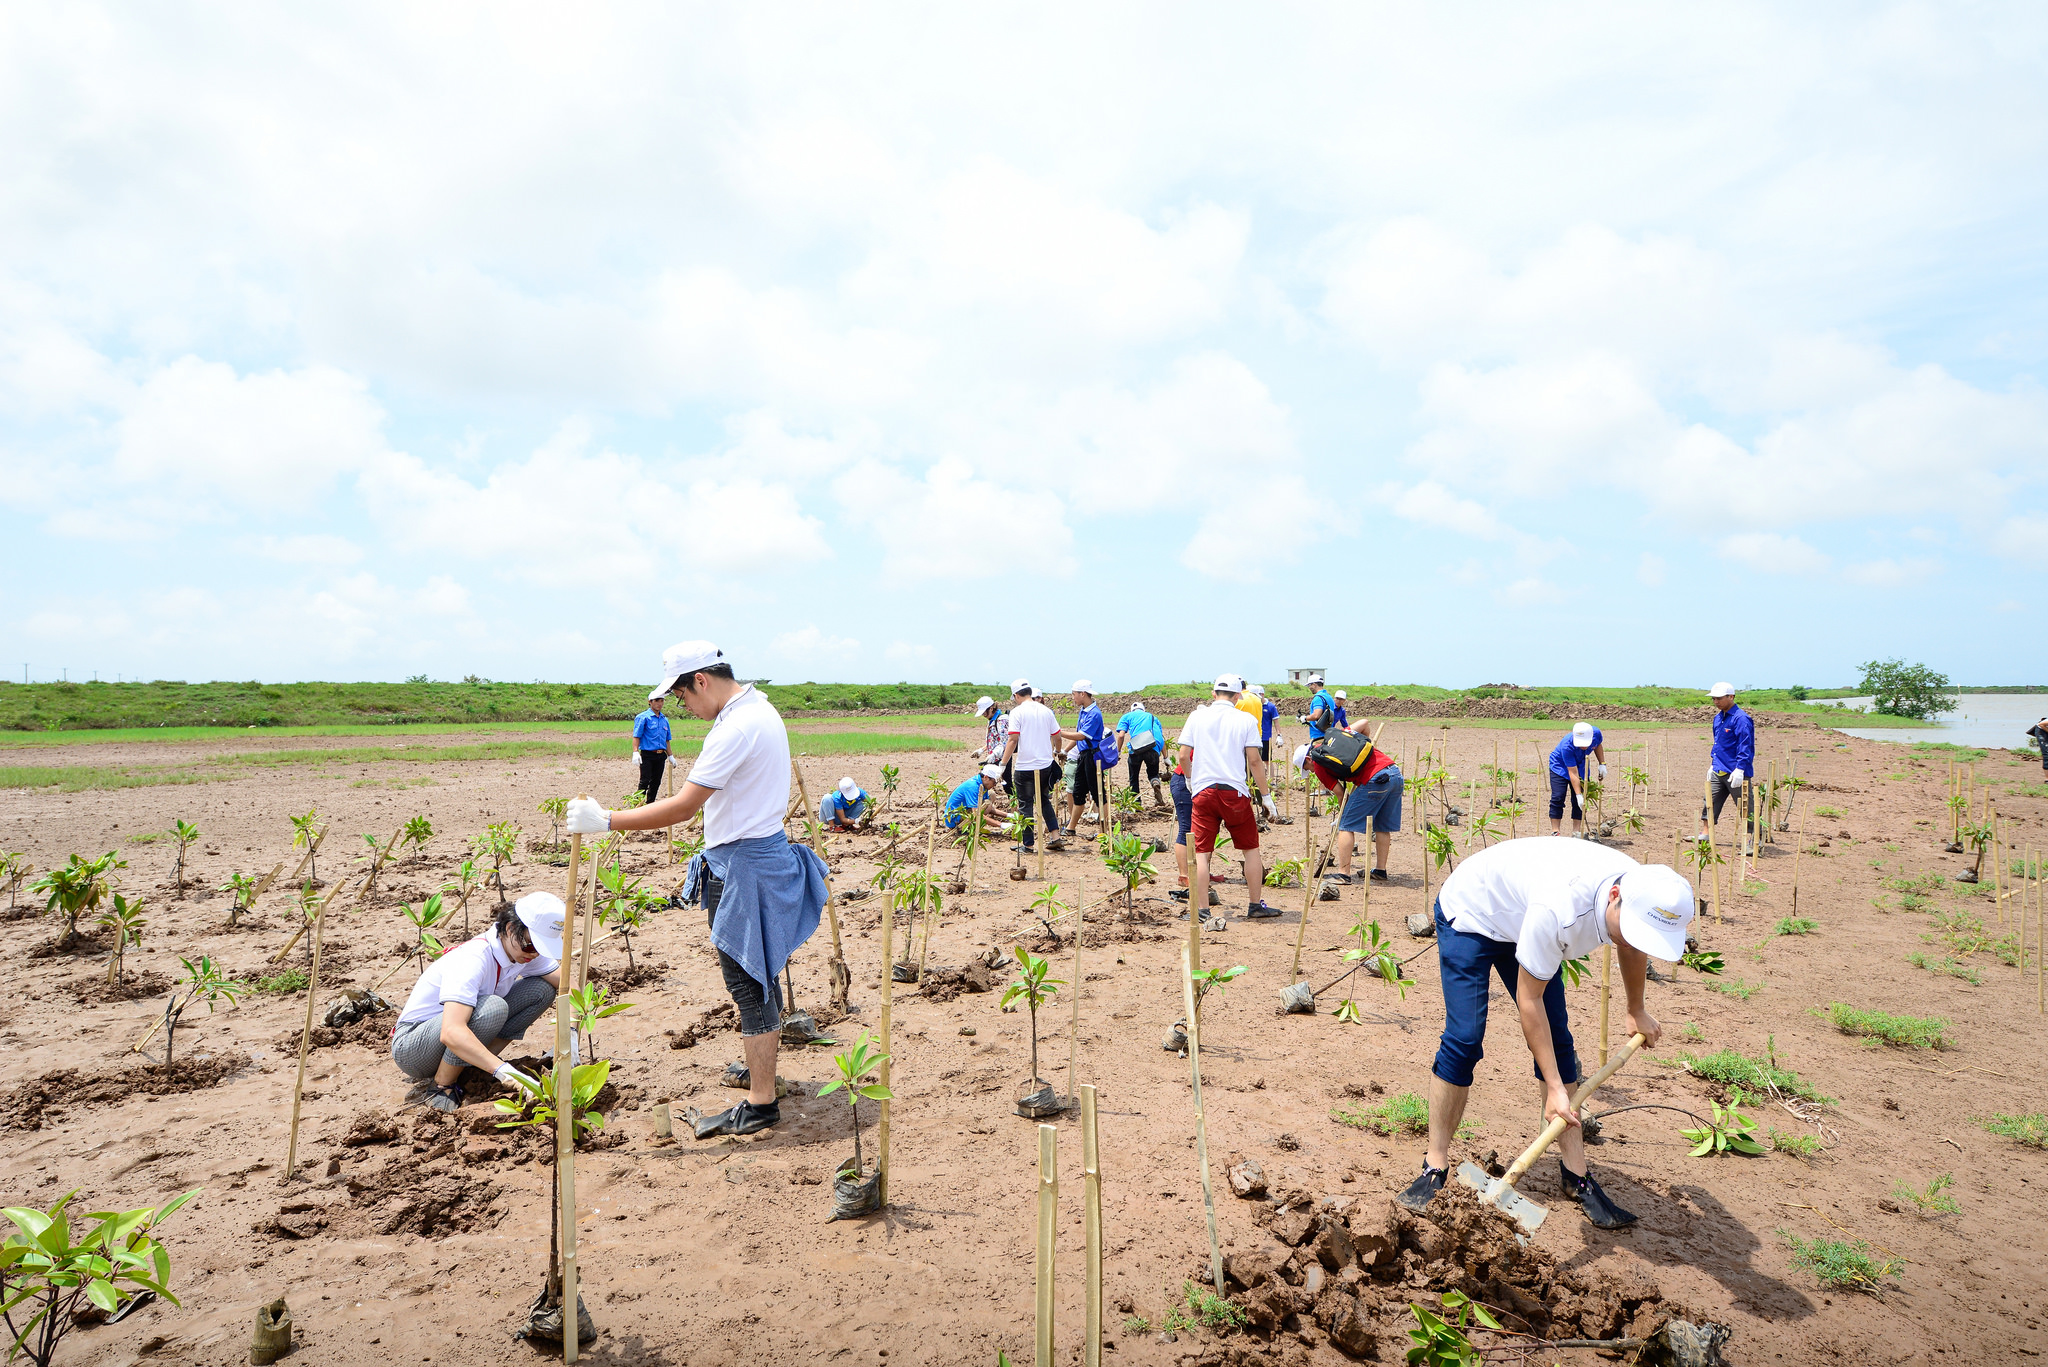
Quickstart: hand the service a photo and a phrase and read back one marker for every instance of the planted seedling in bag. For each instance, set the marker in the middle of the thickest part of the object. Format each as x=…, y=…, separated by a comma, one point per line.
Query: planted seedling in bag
x=854, y=1193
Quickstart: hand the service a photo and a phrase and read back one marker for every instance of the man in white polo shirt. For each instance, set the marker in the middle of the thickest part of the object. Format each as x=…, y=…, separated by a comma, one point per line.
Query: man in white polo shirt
x=1218, y=746
x=1520, y=909
x=763, y=895
x=1028, y=755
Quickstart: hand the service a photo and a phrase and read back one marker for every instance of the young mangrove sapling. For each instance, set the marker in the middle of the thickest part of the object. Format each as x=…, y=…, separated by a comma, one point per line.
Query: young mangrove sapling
x=202, y=981
x=77, y=889
x=1034, y=985
x=241, y=890
x=590, y=1004
x=858, y=1078
x=418, y=831
x=124, y=918
x=187, y=834
x=47, y=1281
x=424, y=918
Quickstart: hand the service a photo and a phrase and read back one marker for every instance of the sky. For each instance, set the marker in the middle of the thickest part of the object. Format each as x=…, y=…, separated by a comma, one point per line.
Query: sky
x=1582, y=343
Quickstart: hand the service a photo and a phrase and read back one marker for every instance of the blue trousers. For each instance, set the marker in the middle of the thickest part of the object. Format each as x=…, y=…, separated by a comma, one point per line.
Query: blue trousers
x=1466, y=963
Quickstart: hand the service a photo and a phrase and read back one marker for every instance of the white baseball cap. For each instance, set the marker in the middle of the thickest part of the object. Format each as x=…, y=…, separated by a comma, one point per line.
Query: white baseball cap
x=1340, y=692
x=848, y=787
x=1301, y=756
x=985, y=706
x=1083, y=686
x=687, y=657
x=1724, y=689
x=992, y=771
x=1656, y=909
x=1021, y=687
x=1228, y=683
x=541, y=914
x=1259, y=689
x=657, y=695
x=1582, y=733
x=1316, y=679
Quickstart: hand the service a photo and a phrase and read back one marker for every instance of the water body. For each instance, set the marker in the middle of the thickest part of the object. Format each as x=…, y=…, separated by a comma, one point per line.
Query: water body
x=1996, y=721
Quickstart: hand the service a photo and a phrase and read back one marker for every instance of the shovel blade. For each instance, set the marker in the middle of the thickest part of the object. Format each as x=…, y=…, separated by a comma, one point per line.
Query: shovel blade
x=1526, y=1213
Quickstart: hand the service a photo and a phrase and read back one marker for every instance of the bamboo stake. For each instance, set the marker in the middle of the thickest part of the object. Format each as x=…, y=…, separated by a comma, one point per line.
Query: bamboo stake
x=1798, y=847
x=668, y=837
x=291, y=1160
x=1606, y=989
x=888, y=1010
x=1048, y=1222
x=1091, y=1231
x=1073, y=1029
x=377, y=858
x=565, y=1105
x=840, y=975
x=1187, y=978
x=1713, y=853
x=2040, y=941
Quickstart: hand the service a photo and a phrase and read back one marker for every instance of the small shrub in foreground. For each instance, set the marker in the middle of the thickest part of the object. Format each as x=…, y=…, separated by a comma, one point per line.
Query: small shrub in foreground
x=1407, y=1113
x=1797, y=925
x=1951, y=967
x=2029, y=1128
x=1935, y=1200
x=1840, y=1265
x=1732, y=1069
x=1798, y=1145
x=1905, y=1032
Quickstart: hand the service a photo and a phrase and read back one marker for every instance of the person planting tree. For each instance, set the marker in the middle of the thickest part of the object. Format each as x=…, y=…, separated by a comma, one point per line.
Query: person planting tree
x=650, y=744
x=978, y=791
x=489, y=988
x=1218, y=748
x=1027, y=757
x=1732, y=759
x=763, y=895
x=1524, y=909
x=1373, y=806
x=1095, y=750
x=1568, y=774
x=1142, y=738
x=844, y=808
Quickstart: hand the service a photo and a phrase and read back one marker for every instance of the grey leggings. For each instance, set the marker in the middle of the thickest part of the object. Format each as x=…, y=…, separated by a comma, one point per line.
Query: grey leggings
x=417, y=1047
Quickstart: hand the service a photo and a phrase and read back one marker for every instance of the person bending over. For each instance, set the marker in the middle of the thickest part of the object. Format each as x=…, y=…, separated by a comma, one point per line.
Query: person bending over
x=479, y=997
x=1568, y=775
x=844, y=809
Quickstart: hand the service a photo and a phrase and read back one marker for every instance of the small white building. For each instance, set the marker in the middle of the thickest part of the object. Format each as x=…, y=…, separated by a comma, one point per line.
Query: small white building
x=1302, y=676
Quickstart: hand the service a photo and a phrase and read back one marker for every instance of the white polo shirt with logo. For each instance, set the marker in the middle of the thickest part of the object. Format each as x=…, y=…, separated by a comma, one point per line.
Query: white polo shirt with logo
x=1033, y=724
x=1543, y=894
x=746, y=760
x=473, y=970
x=1219, y=734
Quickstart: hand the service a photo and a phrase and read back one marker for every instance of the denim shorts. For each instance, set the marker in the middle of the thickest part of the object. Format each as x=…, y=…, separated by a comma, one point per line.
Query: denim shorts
x=1465, y=963
x=1374, y=806
x=1183, y=807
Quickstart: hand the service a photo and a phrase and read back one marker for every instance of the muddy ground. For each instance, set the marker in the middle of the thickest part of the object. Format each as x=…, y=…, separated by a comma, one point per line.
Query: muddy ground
x=418, y=1235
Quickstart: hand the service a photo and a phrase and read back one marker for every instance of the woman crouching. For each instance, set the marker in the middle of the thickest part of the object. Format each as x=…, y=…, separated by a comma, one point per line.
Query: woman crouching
x=490, y=987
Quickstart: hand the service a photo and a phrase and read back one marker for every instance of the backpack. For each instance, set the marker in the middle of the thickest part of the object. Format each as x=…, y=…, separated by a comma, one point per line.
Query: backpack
x=1340, y=756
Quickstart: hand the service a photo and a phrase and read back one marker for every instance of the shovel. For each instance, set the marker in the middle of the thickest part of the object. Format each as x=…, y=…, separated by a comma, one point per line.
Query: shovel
x=1500, y=1191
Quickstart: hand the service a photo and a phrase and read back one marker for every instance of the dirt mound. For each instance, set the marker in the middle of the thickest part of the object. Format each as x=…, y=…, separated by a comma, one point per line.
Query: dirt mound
x=94, y=990
x=946, y=983
x=619, y=978
x=1352, y=1269
x=371, y=1032
x=721, y=1017
x=83, y=942
x=422, y=1191
x=51, y=1096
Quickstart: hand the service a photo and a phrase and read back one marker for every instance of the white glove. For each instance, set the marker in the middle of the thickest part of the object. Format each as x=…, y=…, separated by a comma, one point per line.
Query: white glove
x=1266, y=800
x=586, y=817
x=512, y=1077
x=1603, y=772
x=1734, y=778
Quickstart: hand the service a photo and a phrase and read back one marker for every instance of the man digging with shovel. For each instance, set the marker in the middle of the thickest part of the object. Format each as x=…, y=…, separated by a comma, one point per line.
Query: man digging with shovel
x=763, y=895
x=1521, y=909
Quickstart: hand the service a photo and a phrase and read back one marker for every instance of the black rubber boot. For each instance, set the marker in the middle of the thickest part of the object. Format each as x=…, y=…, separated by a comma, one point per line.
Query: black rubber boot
x=1423, y=1189
x=745, y=1118
x=1599, y=1207
x=1261, y=911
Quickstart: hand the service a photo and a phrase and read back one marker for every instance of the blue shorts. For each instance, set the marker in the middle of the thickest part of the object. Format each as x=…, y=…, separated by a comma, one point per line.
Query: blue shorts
x=1465, y=963
x=1374, y=806
x=1183, y=807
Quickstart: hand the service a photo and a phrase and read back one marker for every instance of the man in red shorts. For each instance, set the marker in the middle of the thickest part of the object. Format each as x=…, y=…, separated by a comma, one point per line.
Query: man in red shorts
x=1218, y=746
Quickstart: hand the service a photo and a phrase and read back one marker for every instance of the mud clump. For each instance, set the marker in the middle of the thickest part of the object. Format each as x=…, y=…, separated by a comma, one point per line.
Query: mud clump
x=77, y=942
x=422, y=1192
x=53, y=1095
x=370, y=1032
x=94, y=990
x=619, y=978
x=946, y=983
x=721, y=1017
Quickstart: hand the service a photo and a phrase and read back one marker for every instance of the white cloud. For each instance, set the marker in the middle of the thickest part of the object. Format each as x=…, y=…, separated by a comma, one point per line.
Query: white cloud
x=908, y=653
x=1770, y=553
x=950, y=525
x=1531, y=592
x=312, y=549
x=1889, y=573
x=1650, y=570
x=2023, y=538
x=809, y=643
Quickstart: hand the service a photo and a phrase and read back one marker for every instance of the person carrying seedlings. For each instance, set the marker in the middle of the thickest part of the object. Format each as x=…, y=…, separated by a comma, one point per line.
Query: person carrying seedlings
x=1142, y=740
x=1218, y=747
x=1568, y=774
x=844, y=808
x=488, y=988
x=974, y=793
x=1322, y=710
x=1090, y=741
x=762, y=894
x=1521, y=909
x=1732, y=759
x=1027, y=757
x=650, y=745
x=1373, y=807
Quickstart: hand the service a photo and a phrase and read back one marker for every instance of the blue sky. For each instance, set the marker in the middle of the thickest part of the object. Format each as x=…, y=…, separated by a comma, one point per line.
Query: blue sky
x=1544, y=344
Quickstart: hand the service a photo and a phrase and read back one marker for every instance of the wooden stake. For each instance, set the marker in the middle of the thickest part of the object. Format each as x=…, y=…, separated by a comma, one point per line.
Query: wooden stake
x=1091, y=1230
x=1048, y=1223
x=1074, y=1028
x=1187, y=978
x=1712, y=852
x=888, y=1013
x=1606, y=989
x=837, y=971
x=291, y=1160
x=1797, y=848
x=2040, y=941
x=1308, y=887
x=565, y=1104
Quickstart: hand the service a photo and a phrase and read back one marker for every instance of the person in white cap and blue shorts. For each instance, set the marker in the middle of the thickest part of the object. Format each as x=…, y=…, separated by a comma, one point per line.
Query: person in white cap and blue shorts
x=844, y=808
x=763, y=895
x=1568, y=774
x=1520, y=909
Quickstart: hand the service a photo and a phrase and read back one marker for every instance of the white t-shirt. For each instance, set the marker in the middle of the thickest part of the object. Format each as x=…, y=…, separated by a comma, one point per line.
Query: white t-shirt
x=475, y=969
x=1219, y=735
x=1033, y=724
x=1544, y=894
x=746, y=758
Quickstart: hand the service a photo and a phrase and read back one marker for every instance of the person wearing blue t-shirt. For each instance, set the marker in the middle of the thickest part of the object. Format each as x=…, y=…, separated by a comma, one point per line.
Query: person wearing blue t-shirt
x=1142, y=738
x=650, y=745
x=1568, y=774
x=1093, y=741
x=1267, y=713
x=1337, y=701
x=973, y=793
x=845, y=809
x=1322, y=711
x=1732, y=760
